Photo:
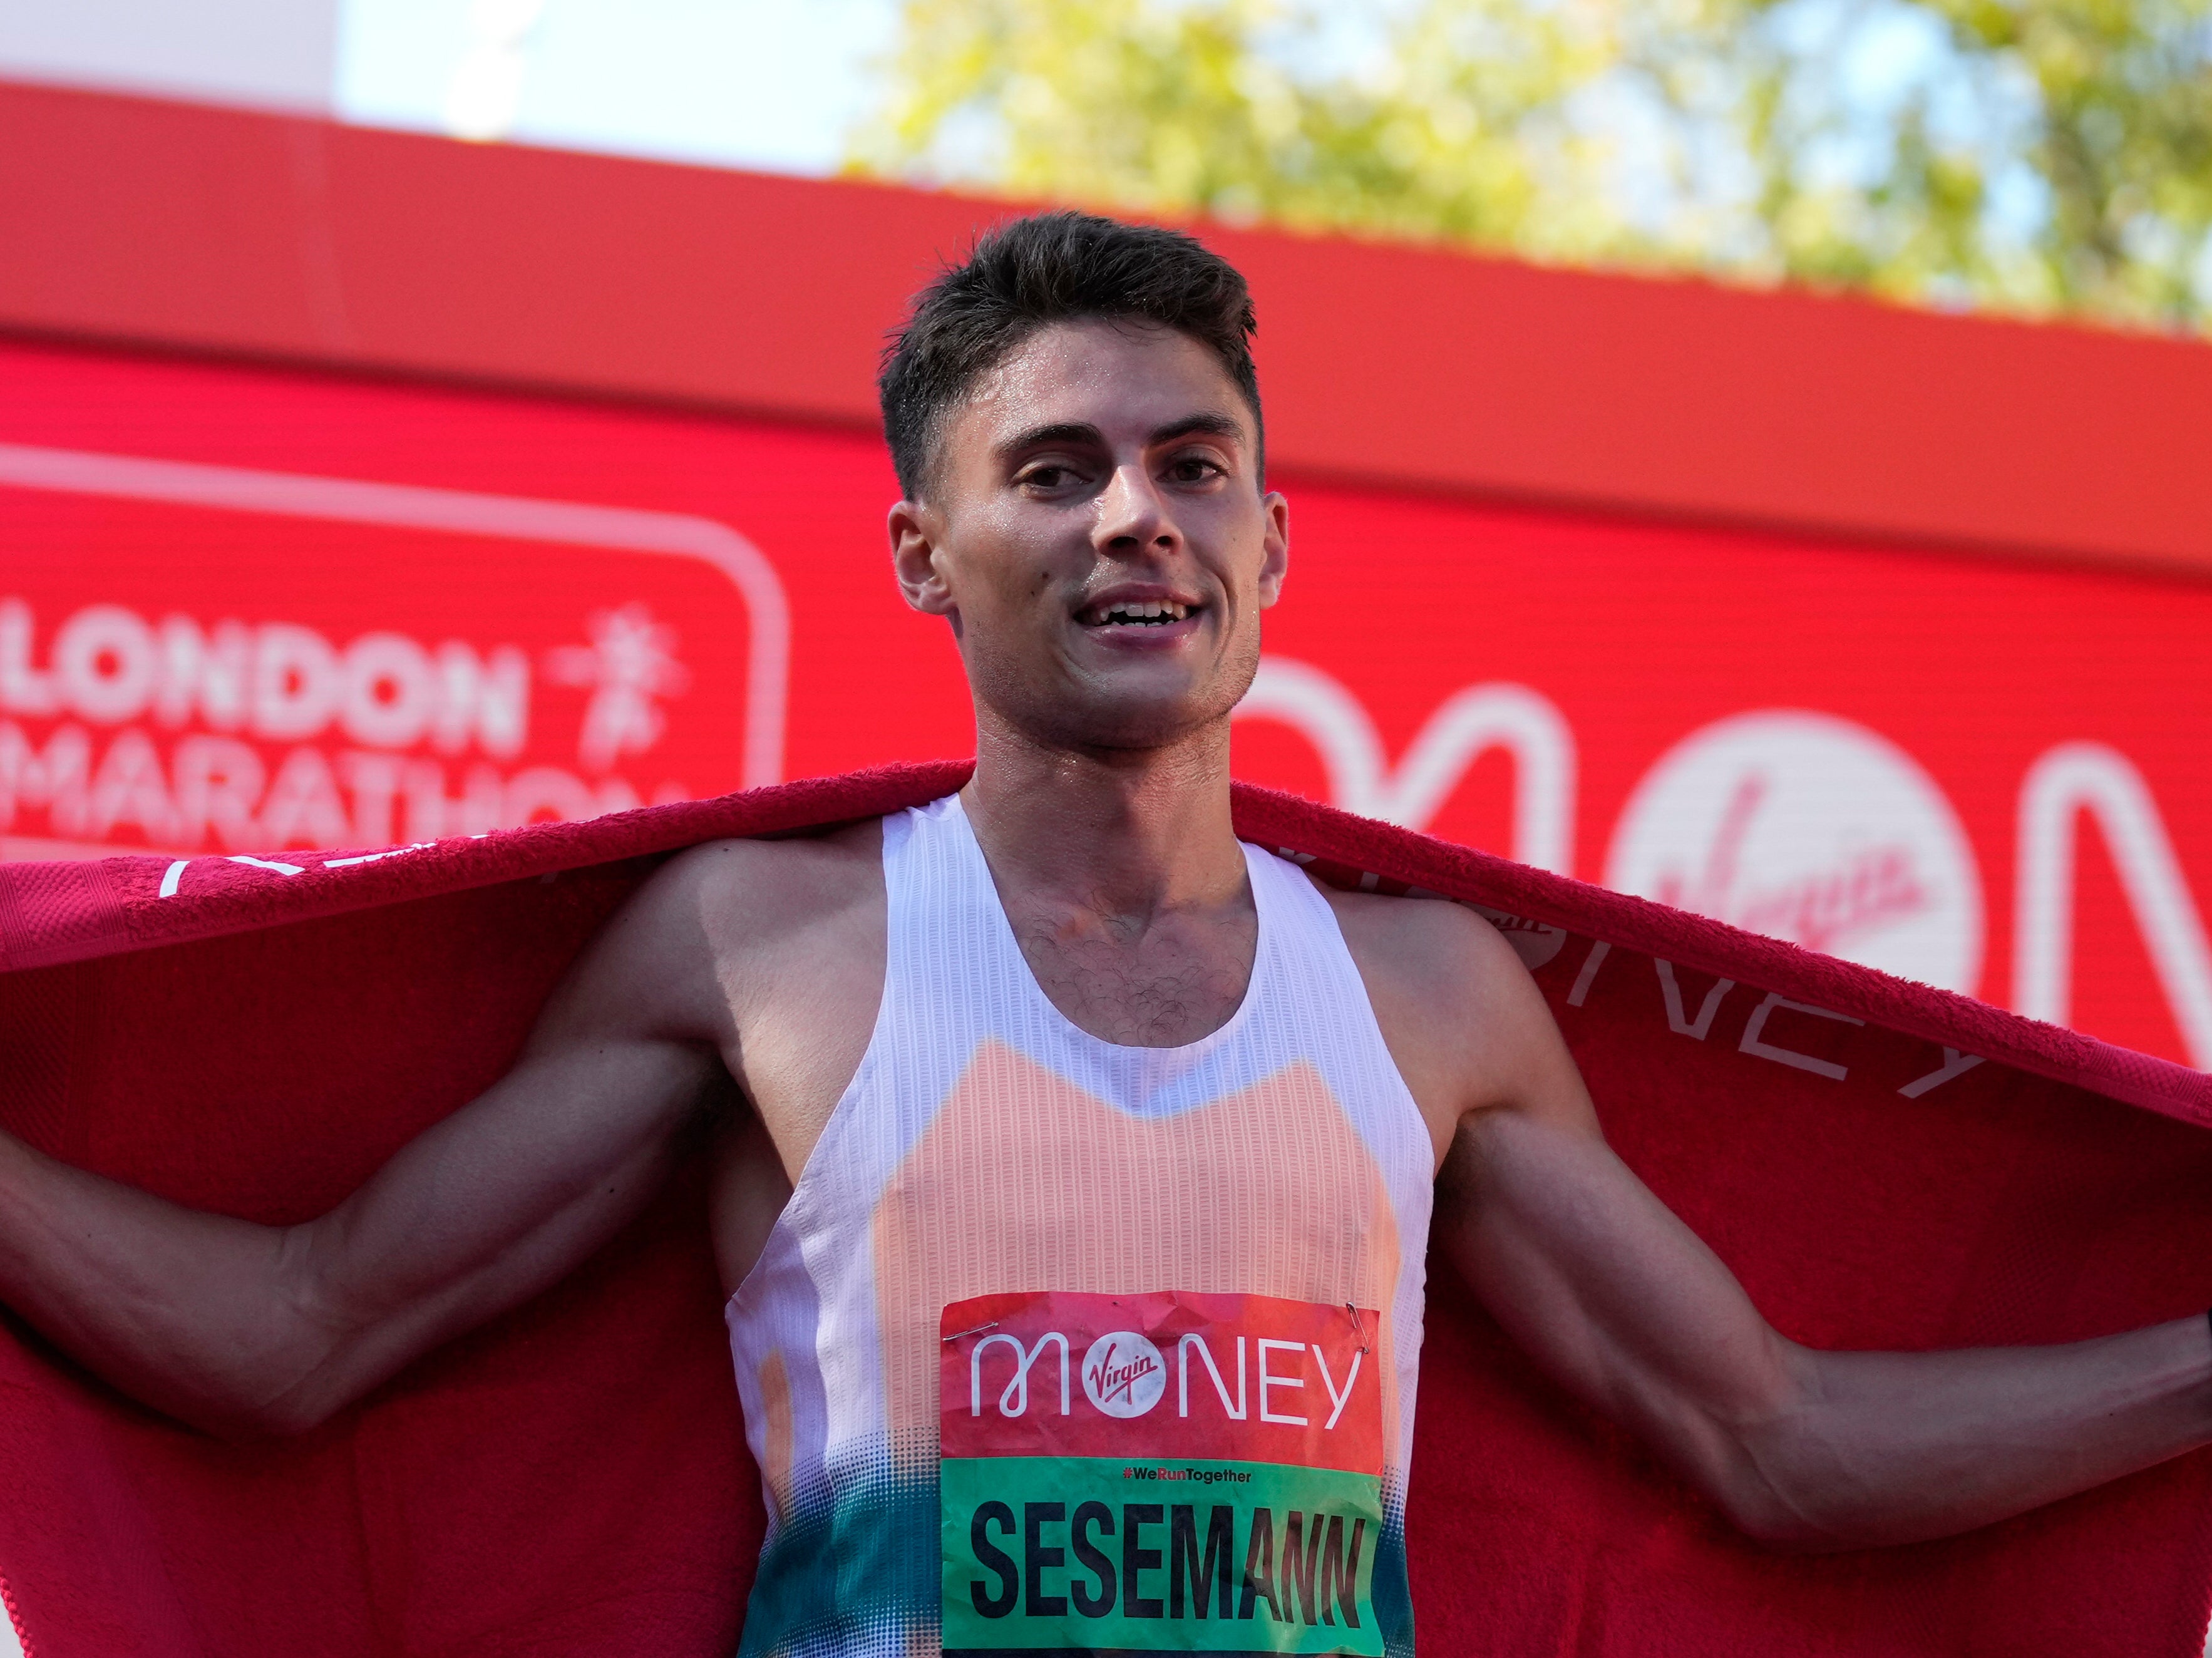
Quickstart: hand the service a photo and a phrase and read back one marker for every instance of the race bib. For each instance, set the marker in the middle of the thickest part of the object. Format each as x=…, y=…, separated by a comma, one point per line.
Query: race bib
x=1163, y=1473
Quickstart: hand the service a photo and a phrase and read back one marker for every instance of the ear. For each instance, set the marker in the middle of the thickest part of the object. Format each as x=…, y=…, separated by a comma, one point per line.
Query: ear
x=1275, y=544
x=916, y=532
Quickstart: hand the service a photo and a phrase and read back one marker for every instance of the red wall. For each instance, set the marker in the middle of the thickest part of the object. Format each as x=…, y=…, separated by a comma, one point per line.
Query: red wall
x=1875, y=630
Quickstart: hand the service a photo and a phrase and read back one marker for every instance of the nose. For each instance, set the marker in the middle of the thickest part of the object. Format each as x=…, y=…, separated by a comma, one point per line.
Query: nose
x=1132, y=516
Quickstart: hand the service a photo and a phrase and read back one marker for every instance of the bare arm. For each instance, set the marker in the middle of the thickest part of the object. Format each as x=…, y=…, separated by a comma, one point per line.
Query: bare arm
x=1801, y=1448
x=1617, y=1298
x=243, y=1329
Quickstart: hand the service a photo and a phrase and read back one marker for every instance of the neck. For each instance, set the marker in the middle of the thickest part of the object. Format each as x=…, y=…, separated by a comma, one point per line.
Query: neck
x=1119, y=831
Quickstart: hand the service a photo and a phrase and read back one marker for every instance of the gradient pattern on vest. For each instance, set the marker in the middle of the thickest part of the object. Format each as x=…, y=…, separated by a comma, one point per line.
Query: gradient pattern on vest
x=988, y=1146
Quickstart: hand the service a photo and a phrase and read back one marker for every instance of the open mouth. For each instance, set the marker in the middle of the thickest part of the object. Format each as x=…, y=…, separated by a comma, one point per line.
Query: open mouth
x=1136, y=613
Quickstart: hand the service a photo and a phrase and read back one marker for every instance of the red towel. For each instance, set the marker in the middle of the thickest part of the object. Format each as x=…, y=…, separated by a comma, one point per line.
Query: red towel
x=254, y=1037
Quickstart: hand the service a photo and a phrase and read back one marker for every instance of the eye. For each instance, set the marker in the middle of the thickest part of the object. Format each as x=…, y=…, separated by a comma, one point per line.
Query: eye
x=1050, y=476
x=1195, y=468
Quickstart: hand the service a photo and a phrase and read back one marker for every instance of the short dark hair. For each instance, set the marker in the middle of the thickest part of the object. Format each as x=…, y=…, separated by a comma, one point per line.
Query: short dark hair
x=1047, y=267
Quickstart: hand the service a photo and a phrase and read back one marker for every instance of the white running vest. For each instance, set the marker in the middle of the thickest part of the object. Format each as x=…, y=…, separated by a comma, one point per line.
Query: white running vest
x=1059, y=1344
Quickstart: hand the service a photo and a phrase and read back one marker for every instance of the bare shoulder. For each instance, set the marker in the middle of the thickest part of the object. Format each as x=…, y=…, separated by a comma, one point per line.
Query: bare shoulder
x=776, y=905
x=1430, y=954
x=1458, y=1009
x=681, y=951
x=744, y=892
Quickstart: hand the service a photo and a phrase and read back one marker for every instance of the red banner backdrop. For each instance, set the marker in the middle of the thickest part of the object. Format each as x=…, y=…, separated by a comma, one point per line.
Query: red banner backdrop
x=243, y=609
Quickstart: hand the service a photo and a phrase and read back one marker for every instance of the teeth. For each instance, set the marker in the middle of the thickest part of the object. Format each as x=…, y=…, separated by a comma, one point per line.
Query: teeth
x=1150, y=609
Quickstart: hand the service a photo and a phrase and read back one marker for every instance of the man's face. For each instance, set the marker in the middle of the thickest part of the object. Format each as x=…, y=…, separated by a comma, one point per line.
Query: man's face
x=1095, y=530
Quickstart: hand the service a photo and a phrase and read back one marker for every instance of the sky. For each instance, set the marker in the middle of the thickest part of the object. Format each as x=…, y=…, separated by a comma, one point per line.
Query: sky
x=773, y=85
x=778, y=85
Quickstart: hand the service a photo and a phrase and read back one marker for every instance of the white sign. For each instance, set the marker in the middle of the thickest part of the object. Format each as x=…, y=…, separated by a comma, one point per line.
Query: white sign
x=1805, y=826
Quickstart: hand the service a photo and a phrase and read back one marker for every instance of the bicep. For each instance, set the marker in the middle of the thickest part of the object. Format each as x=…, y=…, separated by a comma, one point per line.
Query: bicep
x=561, y=1149
x=1597, y=1278
x=503, y=1197
x=1603, y=1285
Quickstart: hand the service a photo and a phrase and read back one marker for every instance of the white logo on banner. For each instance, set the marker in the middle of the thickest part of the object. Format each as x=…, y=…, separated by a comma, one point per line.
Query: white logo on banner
x=1466, y=725
x=1812, y=828
x=1123, y=1373
x=629, y=664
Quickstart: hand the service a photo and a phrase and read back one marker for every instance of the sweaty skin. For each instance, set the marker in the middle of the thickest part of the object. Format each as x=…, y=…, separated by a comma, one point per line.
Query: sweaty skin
x=1104, y=470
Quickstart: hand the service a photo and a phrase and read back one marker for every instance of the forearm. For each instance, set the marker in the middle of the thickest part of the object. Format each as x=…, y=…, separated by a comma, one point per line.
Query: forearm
x=185, y=1311
x=1892, y=1447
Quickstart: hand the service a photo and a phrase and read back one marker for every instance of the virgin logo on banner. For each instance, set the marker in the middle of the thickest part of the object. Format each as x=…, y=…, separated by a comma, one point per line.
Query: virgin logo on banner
x=1812, y=828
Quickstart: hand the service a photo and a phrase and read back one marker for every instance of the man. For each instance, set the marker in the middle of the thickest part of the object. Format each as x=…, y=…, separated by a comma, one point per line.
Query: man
x=1053, y=1083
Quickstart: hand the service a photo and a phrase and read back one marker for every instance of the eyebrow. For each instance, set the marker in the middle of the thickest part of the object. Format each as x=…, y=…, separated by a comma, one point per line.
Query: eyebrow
x=1082, y=433
x=1218, y=425
x=1074, y=433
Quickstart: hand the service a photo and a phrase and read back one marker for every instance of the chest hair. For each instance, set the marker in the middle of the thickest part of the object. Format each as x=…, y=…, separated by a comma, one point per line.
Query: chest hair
x=1166, y=985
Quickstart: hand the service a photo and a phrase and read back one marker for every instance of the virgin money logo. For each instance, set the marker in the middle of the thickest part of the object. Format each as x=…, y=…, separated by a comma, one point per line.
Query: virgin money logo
x=1123, y=1373
x=1812, y=828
